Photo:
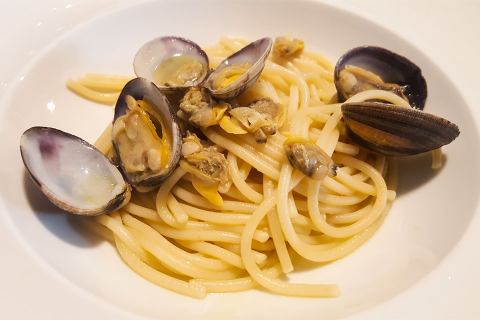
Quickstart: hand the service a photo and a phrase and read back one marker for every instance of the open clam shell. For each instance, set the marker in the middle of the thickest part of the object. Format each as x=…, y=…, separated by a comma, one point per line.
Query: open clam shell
x=72, y=173
x=172, y=63
x=157, y=122
x=239, y=71
x=396, y=131
x=390, y=67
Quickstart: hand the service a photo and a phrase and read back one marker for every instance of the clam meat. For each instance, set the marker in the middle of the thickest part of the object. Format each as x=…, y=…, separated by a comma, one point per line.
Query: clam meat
x=145, y=135
x=72, y=173
x=309, y=158
x=207, y=167
x=198, y=108
x=261, y=118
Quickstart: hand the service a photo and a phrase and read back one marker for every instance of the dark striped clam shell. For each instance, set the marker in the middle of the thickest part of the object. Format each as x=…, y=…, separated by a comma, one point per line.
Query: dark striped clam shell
x=396, y=131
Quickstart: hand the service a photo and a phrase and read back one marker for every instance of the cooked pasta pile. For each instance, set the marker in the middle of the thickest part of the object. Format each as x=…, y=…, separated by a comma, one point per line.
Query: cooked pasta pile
x=272, y=215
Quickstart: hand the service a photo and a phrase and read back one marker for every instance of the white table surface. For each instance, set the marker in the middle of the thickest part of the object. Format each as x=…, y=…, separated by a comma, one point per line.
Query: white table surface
x=447, y=31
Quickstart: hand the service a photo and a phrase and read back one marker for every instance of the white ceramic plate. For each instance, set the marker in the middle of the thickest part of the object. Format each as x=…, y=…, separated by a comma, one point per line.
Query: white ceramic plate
x=426, y=222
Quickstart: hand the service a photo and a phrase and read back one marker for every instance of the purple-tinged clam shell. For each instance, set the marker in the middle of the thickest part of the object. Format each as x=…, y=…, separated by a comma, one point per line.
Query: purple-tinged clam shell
x=251, y=59
x=72, y=173
x=172, y=63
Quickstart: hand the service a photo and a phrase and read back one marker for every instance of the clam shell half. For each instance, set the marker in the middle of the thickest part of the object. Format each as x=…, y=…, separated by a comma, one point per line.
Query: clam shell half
x=396, y=131
x=388, y=65
x=254, y=55
x=152, y=54
x=142, y=89
x=72, y=173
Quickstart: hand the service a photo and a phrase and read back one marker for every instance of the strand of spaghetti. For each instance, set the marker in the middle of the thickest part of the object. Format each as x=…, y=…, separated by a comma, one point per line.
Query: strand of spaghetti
x=203, y=262
x=196, y=235
x=270, y=283
x=293, y=101
x=265, y=246
x=228, y=205
x=236, y=195
x=347, y=148
x=270, y=91
x=332, y=141
x=317, y=118
x=230, y=45
x=103, y=84
x=322, y=109
x=347, y=231
x=355, y=184
x=349, y=217
x=251, y=148
x=162, y=196
x=293, y=212
x=336, y=210
x=297, y=178
x=260, y=235
x=245, y=169
x=327, y=130
x=332, y=199
x=319, y=70
x=195, y=290
x=278, y=82
x=283, y=72
x=176, y=210
x=274, y=152
x=360, y=186
x=100, y=97
x=312, y=252
x=240, y=183
x=215, y=251
x=336, y=187
x=121, y=232
x=313, y=240
x=301, y=220
x=290, y=66
x=242, y=153
x=104, y=142
x=314, y=96
x=223, y=218
x=260, y=257
x=379, y=95
x=276, y=230
x=321, y=60
x=176, y=259
x=142, y=212
x=235, y=285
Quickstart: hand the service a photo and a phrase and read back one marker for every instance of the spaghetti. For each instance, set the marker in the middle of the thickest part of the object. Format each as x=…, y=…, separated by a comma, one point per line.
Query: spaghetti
x=271, y=215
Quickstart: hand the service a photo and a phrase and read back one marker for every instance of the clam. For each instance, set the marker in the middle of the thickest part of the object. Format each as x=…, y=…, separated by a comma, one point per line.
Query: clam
x=261, y=118
x=396, y=131
x=145, y=135
x=72, y=173
x=309, y=158
x=172, y=63
x=239, y=71
x=198, y=108
x=207, y=167
x=370, y=67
